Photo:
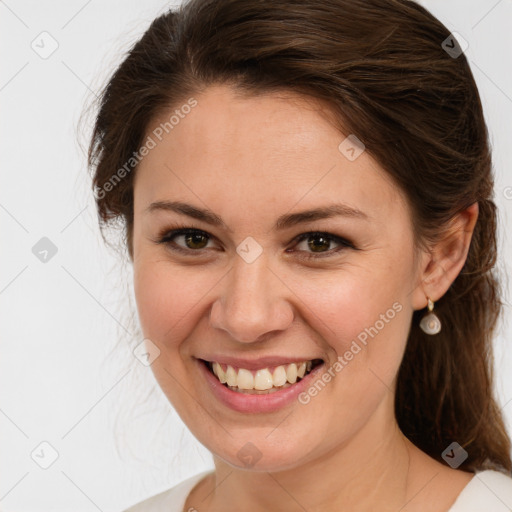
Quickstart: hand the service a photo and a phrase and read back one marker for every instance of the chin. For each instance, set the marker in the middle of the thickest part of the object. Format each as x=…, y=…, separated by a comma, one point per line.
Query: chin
x=261, y=452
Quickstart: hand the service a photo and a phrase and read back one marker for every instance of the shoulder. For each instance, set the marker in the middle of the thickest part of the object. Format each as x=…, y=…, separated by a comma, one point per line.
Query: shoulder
x=172, y=500
x=487, y=491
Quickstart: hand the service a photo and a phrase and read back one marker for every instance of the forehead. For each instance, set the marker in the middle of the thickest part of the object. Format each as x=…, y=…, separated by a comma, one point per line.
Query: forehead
x=265, y=152
x=227, y=123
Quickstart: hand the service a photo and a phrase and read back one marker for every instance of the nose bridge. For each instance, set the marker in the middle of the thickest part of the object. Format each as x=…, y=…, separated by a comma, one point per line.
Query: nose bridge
x=251, y=302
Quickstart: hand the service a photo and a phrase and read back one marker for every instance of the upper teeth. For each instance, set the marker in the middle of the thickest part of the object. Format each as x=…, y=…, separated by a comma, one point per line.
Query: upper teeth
x=261, y=379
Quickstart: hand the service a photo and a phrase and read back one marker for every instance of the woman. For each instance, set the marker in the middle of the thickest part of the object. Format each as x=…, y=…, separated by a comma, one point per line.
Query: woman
x=307, y=195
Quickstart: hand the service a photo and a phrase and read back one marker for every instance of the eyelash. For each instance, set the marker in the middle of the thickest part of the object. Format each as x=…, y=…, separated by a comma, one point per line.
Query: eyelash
x=165, y=238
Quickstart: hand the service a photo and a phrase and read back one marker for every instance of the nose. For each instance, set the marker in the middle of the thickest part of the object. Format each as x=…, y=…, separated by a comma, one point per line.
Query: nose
x=252, y=302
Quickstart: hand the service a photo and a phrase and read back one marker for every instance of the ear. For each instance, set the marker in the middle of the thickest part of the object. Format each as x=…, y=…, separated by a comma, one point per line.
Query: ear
x=440, y=266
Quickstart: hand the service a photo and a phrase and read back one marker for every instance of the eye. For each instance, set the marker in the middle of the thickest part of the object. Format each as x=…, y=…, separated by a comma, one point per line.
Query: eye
x=318, y=242
x=194, y=239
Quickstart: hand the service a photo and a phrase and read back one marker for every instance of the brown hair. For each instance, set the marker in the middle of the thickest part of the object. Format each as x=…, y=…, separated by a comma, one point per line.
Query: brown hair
x=381, y=67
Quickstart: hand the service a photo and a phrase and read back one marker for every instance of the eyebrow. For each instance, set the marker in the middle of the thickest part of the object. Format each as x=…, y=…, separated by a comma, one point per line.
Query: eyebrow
x=283, y=222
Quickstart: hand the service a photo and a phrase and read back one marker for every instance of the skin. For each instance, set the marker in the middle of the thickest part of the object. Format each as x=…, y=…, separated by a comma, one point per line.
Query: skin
x=250, y=159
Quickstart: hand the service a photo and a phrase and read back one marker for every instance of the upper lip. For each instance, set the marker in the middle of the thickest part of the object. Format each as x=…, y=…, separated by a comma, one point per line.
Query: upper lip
x=255, y=364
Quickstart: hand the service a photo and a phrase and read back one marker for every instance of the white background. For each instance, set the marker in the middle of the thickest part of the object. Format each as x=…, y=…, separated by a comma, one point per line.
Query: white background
x=67, y=375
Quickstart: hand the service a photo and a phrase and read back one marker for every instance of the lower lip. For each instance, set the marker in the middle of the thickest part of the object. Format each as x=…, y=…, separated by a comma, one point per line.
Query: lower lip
x=244, y=402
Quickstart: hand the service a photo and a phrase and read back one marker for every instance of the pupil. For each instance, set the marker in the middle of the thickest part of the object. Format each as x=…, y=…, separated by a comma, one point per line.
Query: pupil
x=314, y=246
x=194, y=238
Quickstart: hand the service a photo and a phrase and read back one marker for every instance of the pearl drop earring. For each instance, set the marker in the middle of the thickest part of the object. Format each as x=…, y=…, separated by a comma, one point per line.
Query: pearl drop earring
x=430, y=323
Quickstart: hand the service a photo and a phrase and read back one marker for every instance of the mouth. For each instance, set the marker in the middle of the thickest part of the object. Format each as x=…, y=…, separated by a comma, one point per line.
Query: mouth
x=260, y=381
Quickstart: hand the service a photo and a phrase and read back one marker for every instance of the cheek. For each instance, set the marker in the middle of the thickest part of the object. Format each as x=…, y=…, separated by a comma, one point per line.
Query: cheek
x=161, y=298
x=364, y=319
x=167, y=301
x=168, y=298
x=362, y=314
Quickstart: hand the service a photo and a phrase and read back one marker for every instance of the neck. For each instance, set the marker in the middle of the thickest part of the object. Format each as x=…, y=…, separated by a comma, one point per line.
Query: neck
x=370, y=472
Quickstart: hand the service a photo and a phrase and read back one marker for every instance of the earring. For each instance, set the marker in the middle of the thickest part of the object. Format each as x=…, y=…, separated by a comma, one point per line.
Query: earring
x=430, y=323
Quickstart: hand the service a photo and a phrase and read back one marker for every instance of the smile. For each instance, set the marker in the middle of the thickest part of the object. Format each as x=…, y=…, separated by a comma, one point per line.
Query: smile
x=264, y=380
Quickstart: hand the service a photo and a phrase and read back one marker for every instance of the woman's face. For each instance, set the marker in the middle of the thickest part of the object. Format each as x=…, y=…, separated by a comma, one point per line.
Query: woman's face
x=249, y=293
